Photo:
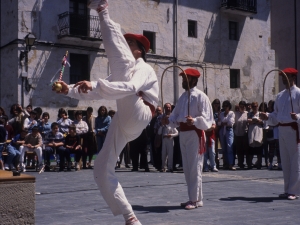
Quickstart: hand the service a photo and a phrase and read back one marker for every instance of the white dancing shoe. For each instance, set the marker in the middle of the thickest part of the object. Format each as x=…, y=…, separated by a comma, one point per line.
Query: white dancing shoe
x=98, y=5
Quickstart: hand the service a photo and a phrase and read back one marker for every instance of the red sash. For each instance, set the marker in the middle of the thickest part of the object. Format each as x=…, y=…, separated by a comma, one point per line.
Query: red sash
x=294, y=125
x=200, y=133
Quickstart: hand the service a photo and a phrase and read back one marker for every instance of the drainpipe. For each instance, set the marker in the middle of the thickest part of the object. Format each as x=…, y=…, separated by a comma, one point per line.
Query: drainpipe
x=175, y=53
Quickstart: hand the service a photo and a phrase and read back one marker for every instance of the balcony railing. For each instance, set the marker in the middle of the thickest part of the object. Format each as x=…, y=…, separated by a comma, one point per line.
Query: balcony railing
x=247, y=6
x=81, y=26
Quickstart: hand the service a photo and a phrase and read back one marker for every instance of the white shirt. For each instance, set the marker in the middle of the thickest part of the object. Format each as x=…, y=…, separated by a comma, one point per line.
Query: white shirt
x=165, y=130
x=282, y=107
x=81, y=127
x=143, y=79
x=200, y=110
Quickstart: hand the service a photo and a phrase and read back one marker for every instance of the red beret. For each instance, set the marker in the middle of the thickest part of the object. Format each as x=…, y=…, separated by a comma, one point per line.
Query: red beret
x=140, y=38
x=291, y=71
x=191, y=72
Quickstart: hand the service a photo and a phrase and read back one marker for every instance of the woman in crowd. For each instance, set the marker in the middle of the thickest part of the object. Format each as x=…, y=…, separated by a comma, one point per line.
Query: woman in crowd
x=2, y=112
x=216, y=106
x=240, y=129
x=18, y=118
x=101, y=126
x=226, y=121
x=255, y=135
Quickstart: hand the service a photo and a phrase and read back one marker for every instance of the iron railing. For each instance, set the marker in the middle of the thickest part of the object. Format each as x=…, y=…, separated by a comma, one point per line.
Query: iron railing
x=82, y=26
x=243, y=5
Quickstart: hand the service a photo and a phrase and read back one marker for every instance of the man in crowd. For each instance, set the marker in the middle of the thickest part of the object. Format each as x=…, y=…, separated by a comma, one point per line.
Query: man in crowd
x=192, y=136
x=133, y=83
x=288, y=120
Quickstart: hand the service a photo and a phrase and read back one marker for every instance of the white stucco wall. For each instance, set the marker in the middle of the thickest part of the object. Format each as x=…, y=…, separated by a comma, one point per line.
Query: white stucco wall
x=211, y=51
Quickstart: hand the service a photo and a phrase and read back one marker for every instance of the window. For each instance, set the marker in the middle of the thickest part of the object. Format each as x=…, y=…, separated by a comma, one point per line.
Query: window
x=234, y=78
x=78, y=17
x=233, y=30
x=192, y=28
x=151, y=37
x=79, y=69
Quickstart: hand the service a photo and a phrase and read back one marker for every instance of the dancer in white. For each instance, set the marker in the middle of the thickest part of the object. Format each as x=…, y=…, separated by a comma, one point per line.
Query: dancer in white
x=289, y=139
x=192, y=137
x=133, y=84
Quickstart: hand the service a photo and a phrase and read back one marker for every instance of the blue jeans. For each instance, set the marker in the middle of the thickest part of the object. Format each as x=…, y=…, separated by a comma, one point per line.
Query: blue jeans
x=100, y=141
x=226, y=144
x=13, y=154
x=1, y=150
x=210, y=154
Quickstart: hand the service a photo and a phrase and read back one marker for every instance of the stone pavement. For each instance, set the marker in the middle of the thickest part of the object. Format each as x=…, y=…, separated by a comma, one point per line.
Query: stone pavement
x=230, y=197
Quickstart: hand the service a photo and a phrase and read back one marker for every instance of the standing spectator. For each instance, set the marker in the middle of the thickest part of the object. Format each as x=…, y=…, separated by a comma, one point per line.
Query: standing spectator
x=18, y=118
x=101, y=126
x=192, y=140
x=288, y=121
x=168, y=133
x=64, y=122
x=89, y=140
x=255, y=135
x=137, y=148
x=33, y=142
x=216, y=106
x=3, y=138
x=81, y=126
x=2, y=112
x=210, y=150
x=44, y=125
x=111, y=113
x=153, y=128
x=240, y=129
x=9, y=128
x=72, y=146
x=31, y=121
x=54, y=144
x=226, y=121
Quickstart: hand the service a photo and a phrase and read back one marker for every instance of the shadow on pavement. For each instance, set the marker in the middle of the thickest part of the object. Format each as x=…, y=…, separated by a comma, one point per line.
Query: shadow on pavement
x=155, y=209
x=252, y=200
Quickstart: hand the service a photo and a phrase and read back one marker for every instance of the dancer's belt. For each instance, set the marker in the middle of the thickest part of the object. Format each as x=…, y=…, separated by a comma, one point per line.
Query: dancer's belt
x=152, y=108
x=294, y=125
x=200, y=133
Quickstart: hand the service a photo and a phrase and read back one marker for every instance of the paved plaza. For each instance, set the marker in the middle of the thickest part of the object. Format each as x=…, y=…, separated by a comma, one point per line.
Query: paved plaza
x=230, y=197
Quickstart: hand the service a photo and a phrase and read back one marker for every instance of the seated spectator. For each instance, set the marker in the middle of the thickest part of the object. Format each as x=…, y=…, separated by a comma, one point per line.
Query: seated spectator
x=102, y=123
x=30, y=122
x=72, y=146
x=210, y=150
x=44, y=125
x=89, y=139
x=18, y=118
x=54, y=142
x=13, y=149
x=64, y=122
x=3, y=138
x=39, y=112
x=33, y=142
x=9, y=128
x=27, y=110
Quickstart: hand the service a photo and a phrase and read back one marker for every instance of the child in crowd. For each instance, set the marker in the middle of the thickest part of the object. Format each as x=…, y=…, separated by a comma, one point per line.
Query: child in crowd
x=64, y=122
x=72, y=146
x=44, y=125
x=30, y=122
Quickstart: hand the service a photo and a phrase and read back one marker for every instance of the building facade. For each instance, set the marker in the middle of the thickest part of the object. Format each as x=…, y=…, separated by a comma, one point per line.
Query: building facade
x=227, y=41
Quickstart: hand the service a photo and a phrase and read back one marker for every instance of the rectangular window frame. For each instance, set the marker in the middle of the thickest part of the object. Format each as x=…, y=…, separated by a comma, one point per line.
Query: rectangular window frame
x=151, y=36
x=80, y=67
x=234, y=78
x=192, y=28
x=233, y=28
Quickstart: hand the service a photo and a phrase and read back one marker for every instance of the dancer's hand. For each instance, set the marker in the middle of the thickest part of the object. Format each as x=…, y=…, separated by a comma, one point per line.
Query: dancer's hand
x=294, y=116
x=64, y=89
x=189, y=120
x=83, y=86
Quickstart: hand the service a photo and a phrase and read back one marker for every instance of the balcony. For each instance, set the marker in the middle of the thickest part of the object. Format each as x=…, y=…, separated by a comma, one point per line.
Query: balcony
x=241, y=7
x=85, y=27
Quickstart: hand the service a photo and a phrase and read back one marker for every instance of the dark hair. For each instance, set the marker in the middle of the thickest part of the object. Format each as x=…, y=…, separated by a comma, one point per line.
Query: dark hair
x=77, y=113
x=5, y=117
x=90, y=109
x=38, y=110
x=72, y=127
x=4, y=114
x=15, y=107
x=54, y=125
x=60, y=111
x=216, y=101
x=111, y=112
x=142, y=48
x=2, y=121
x=272, y=103
x=243, y=103
x=29, y=106
x=33, y=112
x=35, y=128
x=102, y=107
x=261, y=107
x=227, y=102
x=24, y=130
x=46, y=114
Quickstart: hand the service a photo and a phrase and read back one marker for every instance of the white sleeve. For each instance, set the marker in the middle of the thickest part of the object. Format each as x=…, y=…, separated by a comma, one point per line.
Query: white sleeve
x=206, y=118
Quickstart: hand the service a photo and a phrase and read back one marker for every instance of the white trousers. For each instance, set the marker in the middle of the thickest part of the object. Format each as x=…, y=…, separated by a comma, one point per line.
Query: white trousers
x=290, y=160
x=38, y=151
x=167, y=152
x=192, y=164
x=131, y=118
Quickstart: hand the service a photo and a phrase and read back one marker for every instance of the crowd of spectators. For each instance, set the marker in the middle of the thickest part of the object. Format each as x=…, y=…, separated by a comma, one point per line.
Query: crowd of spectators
x=237, y=133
